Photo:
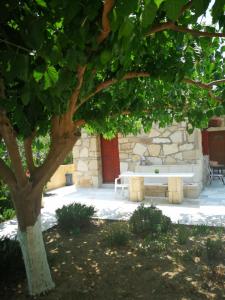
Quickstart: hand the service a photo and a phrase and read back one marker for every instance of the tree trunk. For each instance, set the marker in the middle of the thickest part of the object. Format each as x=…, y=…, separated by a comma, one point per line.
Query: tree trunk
x=35, y=259
x=31, y=242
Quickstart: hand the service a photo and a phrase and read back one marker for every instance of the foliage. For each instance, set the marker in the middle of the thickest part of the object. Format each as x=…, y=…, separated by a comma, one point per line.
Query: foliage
x=183, y=234
x=153, y=245
x=214, y=248
x=7, y=214
x=44, y=44
x=69, y=159
x=201, y=229
x=149, y=220
x=117, y=234
x=11, y=257
x=6, y=207
x=74, y=217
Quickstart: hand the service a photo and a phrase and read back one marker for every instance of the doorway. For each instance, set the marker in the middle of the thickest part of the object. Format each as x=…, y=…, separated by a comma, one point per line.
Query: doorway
x=110, y=159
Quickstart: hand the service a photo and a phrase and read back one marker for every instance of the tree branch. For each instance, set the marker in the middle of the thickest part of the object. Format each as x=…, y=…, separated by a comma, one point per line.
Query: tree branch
x=15, y=45
x=28, y=152
x=76, y=92
x=110, y=82
x=206, y=86
x=8, y=134
x=108, y=5
x=171, y=26
x=7, y=175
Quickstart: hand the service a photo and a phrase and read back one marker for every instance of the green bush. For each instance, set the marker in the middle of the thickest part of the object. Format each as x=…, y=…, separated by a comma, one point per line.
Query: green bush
x=10, y=257
x=214, y=248
x=7, y=214
x=117, y=234
x=201, y=229
x=6, y=206
x=74, y=217
x=149, y=220
x=183, y=234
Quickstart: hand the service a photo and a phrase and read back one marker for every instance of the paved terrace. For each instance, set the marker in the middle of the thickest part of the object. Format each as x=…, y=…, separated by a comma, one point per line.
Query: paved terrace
x=208, y=209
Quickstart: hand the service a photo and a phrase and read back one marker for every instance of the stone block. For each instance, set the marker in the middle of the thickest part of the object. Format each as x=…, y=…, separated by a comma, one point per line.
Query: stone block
x=124, y=147
x=93, y=165
x=124, y=155
x=178, y=156
x=186, y=147
x=154, y=150
x=189, y=155
x=161, y=141
x=155, y=160
x=156, y=190
x=166, y=133
x=85, y=182
x=139, y=149
x=76, y=152
x=136, y=188
x=84, y=152
x=175, y=189
x=169, y=149
x=93, y=145
x=82, y=166
x=177, y=137
x=170, y=160
x=154, y=133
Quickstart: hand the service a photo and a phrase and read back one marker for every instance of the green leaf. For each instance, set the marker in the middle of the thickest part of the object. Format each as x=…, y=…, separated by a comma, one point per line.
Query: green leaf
x=125, y=7
x=26, y=94
x=41, y=3
x=105, y=56
x=50, y=77
x=158, y=2
x=149, y=13
x=173, y=8
x=126, y=29
x=218, y=10
x=37, y=75
x=200, y=6
x=20, y=66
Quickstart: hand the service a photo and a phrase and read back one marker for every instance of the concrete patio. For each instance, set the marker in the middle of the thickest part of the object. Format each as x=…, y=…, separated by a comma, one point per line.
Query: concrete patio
x=208, y=209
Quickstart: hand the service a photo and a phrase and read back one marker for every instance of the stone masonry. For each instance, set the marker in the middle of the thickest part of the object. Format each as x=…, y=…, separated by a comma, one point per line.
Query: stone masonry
x=87, y=160
x=169, y=149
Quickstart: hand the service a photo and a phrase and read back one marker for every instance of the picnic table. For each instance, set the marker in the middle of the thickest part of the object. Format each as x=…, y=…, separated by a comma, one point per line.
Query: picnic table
x=175, y=184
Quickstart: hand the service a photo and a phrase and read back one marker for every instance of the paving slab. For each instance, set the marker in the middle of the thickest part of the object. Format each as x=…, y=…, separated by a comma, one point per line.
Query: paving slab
x=208, y=209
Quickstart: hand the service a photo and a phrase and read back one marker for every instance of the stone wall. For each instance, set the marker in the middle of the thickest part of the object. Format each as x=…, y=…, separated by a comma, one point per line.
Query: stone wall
x=162, y=146
x=87, y=160
x=170, y=149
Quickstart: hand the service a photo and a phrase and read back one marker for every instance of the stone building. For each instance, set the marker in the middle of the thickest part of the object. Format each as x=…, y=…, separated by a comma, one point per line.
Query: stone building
x=170, y=149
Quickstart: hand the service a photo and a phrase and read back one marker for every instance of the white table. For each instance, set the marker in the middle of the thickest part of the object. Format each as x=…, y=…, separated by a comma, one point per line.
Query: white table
x=175, y=184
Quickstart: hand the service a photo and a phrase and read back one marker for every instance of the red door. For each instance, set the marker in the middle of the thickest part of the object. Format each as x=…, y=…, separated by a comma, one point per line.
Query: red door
x=217, y=146
x=110, y=159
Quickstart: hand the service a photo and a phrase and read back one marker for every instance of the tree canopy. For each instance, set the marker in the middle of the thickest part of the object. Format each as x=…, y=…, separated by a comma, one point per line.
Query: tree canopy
x=47, y=47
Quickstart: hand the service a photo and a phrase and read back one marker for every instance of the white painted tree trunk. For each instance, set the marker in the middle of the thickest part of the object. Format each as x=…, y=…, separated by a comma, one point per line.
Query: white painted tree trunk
x=35, y=259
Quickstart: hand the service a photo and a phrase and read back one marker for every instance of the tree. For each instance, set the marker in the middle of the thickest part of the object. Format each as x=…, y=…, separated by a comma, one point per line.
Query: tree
x=108, y=65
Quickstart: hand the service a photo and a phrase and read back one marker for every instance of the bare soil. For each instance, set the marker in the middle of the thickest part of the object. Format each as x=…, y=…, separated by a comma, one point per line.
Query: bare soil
x=85, y=267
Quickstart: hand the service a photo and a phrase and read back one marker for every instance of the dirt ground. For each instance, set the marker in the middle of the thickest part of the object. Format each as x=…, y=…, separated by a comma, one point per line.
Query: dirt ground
x=84, y=267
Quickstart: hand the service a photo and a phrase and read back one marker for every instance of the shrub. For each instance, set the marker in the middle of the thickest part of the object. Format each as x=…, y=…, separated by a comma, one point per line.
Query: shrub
x=74, y=217
x=214, y=248
x=152, y=246
x=7, y=214
x=6, y=206
x=183, y=234
x=149, y=220
x=117, y=234
x=10, y=257
x=201, y=229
